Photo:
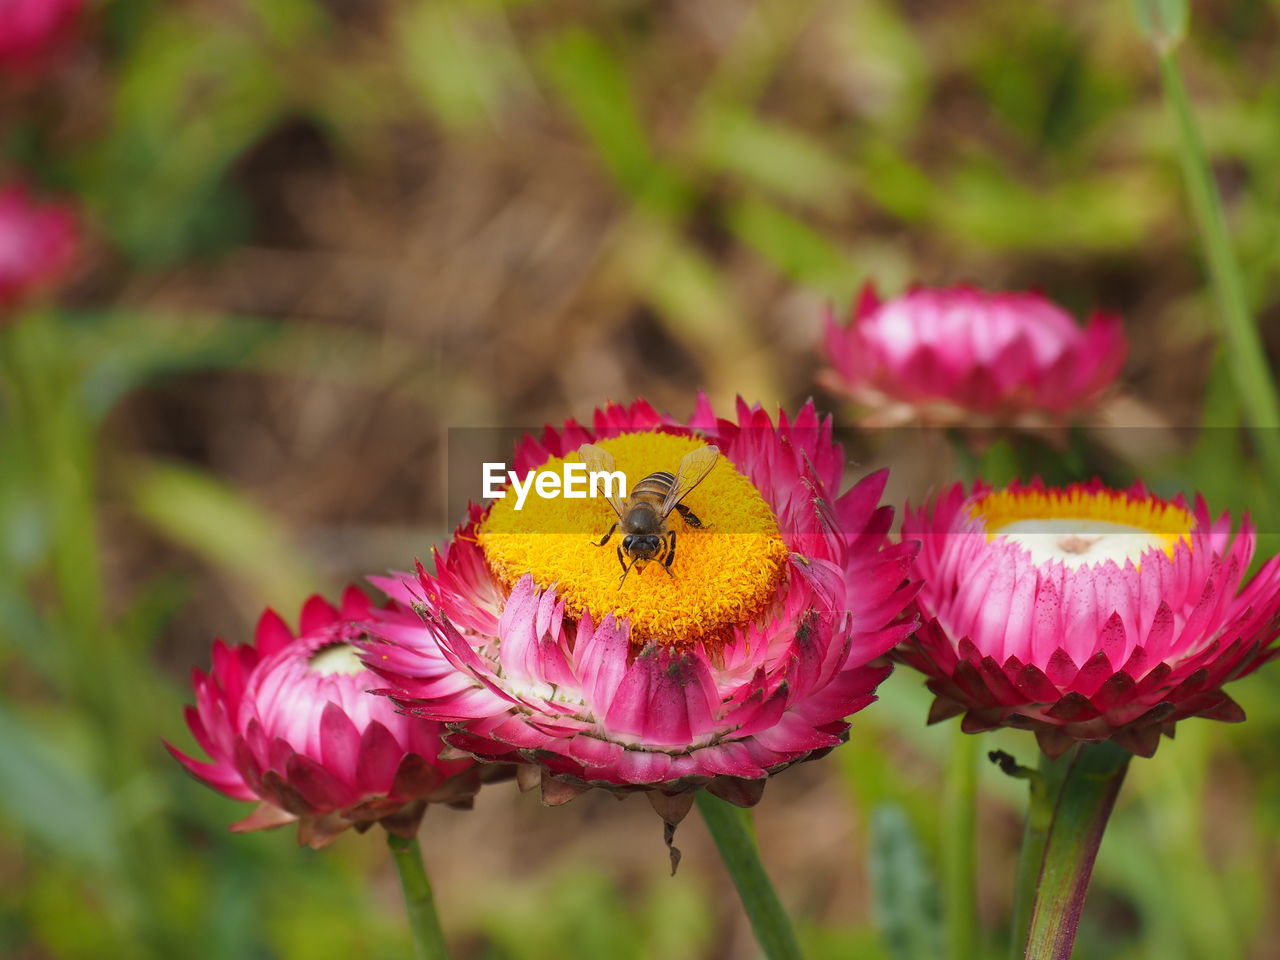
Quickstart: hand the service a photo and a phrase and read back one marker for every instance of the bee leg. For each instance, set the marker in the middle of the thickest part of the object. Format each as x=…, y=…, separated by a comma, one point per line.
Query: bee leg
x=621, y=562
x=671, y=554
x=605, y=538
x=625, y=569
x=690, y=517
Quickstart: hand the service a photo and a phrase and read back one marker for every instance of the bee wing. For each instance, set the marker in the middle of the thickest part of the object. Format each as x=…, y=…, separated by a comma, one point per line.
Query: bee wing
x=600, y=460
x=694, y=467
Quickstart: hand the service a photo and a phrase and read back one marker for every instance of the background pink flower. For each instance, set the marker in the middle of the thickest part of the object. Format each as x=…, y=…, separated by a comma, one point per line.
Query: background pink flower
x=37, y=243
x=939, y=355
x=32, y=30
x=1085, y=613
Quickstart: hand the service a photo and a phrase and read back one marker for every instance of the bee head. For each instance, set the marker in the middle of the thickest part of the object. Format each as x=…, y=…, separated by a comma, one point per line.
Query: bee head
x=642, y=546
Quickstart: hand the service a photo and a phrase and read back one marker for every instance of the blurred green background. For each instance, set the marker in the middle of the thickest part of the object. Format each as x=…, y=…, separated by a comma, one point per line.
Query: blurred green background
x=324, y=231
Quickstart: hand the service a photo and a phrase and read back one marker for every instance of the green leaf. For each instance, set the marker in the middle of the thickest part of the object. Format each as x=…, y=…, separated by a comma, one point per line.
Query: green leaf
x=221, y=525
x=193, y=94
x=904, y=891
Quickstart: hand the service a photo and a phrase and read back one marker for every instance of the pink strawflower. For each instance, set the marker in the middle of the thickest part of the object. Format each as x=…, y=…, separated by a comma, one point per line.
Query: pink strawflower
x=1086, y=613
x=37, y=244
x=288, y=722
x=955, y=355
x=32, y=31
x=749, y=658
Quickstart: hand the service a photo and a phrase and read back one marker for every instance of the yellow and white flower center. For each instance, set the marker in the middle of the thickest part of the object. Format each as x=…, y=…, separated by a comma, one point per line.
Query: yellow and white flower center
x=723, y=576
x=1075, y=541
x=1083, y=527
x=341, y=658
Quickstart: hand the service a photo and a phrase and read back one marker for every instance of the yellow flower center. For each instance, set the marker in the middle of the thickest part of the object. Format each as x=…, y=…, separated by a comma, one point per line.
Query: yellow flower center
x=339, y=658
x=722, y=576
x=1080, y=527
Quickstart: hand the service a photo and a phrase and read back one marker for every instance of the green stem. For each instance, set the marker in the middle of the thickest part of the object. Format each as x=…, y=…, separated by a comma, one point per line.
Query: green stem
x=1080, y=816
x=60, y=442
x=731, y=830
x=1251, y=375
x=419, y=902
x=1046, y=783
x=959, y=847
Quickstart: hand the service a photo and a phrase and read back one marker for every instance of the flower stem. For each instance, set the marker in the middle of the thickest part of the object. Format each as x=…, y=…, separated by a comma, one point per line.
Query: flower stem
x=731, y=830
x=959, y=847
x=1088, y=793
x=1046, y=783
x=1254, y=385
x=419, y=902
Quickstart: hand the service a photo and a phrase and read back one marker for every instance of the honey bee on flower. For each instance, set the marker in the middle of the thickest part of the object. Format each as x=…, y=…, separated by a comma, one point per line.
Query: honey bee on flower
x=646, y=534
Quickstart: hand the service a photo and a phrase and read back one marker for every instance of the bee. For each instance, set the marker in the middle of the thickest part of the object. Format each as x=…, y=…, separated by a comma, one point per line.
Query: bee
x=642, y=517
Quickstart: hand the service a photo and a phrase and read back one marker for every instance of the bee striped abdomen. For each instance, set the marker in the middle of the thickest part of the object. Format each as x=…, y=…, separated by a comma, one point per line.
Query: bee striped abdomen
x=653, y=488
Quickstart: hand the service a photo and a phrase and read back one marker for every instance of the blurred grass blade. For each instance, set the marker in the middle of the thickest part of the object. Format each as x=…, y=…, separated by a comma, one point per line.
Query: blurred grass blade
x=1249, y=365
x=895, y=183
x=51, y=798
x=783, y=161
x=903, y=889
x=121, y=350
x=592, y=82
x=24, y=632
x=1216, y=465
x=458, y=59
x=691, y=297
x=795, y=248
x=222, y=526
x=1113, y=210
